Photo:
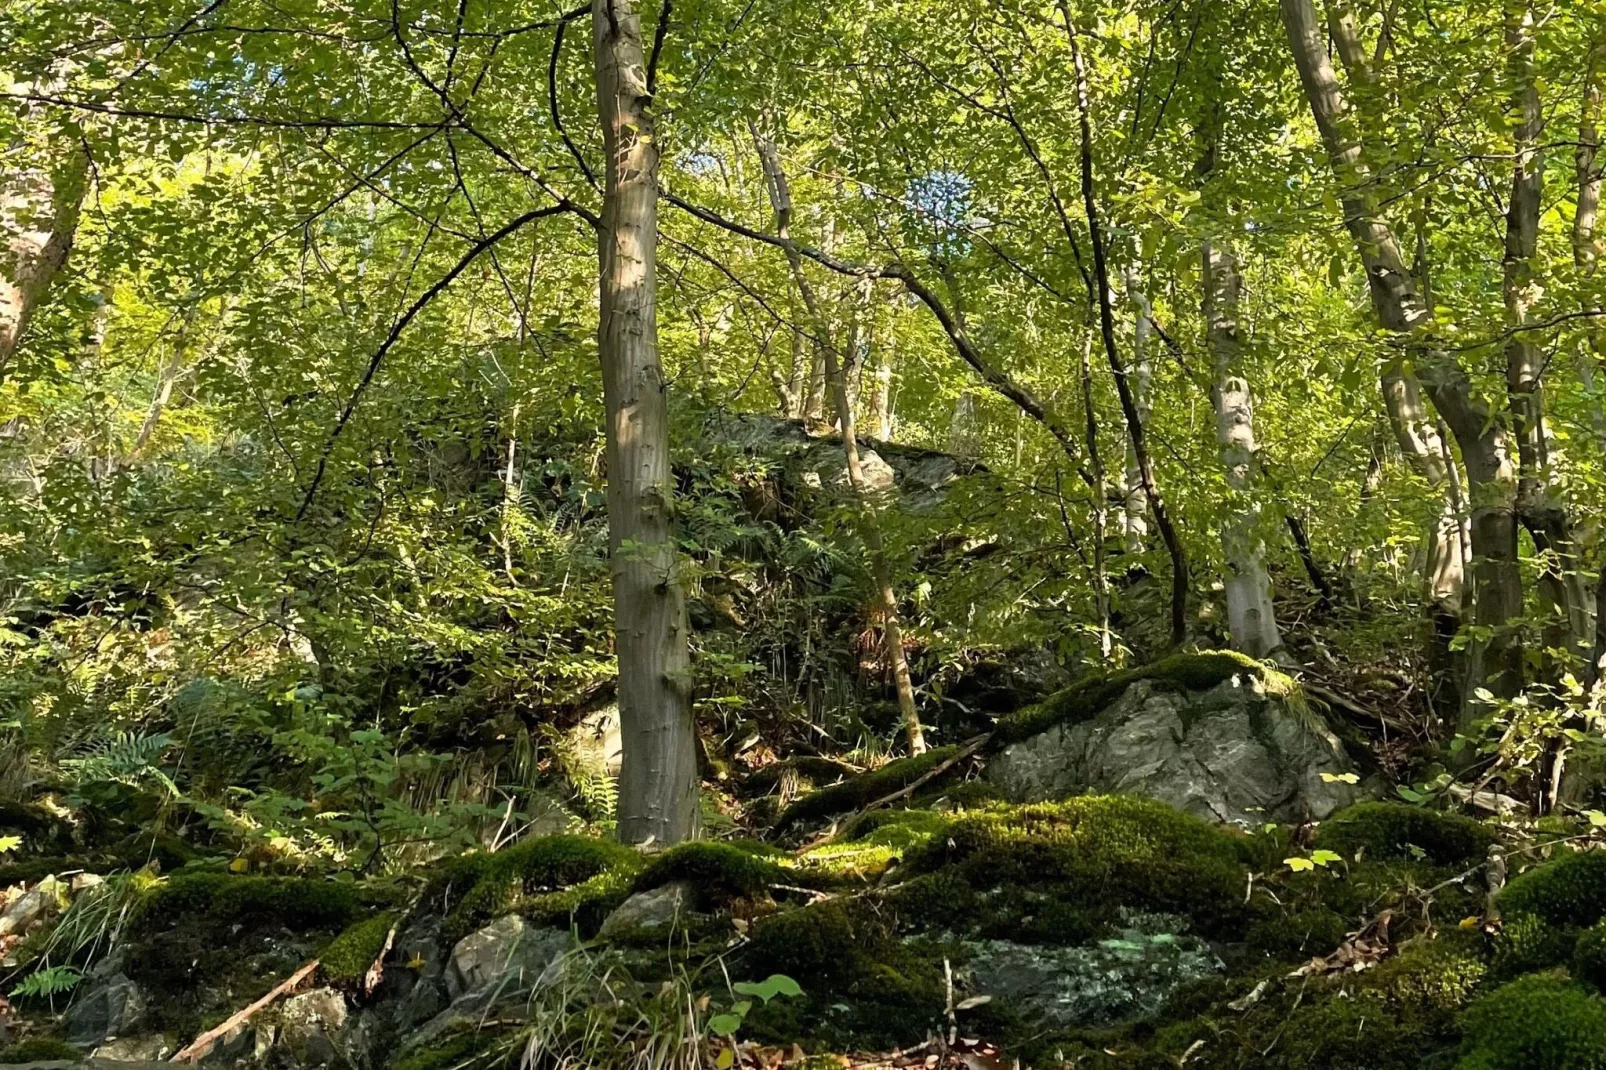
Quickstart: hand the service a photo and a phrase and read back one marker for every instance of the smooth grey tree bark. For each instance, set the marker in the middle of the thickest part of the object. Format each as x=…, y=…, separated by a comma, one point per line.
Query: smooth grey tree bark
x=1251, y=619
x=1495, y=662
x=658, y=778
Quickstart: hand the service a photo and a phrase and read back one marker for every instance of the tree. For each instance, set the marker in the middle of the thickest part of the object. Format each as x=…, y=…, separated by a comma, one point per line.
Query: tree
x=658, y=780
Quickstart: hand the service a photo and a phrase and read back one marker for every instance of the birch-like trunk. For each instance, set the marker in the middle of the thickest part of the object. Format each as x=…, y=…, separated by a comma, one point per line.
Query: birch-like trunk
x=39, y=211
x=1562, y=595
x=1586, y=245
x=1135, y=515
x=880, y=397
x=1251, y=620
x=1480, y=432
x=864, y=494
x=658, y=778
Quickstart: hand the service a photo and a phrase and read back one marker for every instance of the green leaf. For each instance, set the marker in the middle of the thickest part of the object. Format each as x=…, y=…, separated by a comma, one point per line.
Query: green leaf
x=776, y=984
x=724, y=1025
x=1323, y=857
x=1299, y=865
x=1341, y=778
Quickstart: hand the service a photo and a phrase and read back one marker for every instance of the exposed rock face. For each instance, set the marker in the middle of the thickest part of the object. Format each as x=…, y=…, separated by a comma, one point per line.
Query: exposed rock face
x=917, y=476
x=312, y=1028
x=1121, y=979
x=509, y=951
x=657, y=910
x=108, y=1011
x=1233, y=753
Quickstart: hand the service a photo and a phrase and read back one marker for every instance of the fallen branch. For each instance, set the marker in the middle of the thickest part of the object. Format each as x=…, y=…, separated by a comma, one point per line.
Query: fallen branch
x=971, y=746
x=1351, y=707
x=202, y=1044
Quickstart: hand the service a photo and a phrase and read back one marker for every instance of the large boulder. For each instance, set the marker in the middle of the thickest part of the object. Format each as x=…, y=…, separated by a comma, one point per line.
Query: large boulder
x=1234, y=752
x=1121, y=979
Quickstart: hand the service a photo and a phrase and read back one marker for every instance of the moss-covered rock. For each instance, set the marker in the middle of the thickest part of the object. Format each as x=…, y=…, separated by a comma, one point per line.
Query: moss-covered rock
x=225, y=899
x=721, y=871
x=1380, y=830
x=1102, y=851
x=1568, y=891
x=481, y=887
x=1589, y=956
x=857, y=792
x=1538, y=1022
x=1186, y=672
x=862, y=986
x=40, y=1050
x=347, y=957
x=1299, y=935
x=463, y=1049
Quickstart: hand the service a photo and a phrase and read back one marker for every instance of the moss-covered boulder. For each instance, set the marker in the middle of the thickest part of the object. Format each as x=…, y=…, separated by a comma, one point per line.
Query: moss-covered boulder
x=1072, y=864
x=553, y=879
x=1538, y=1022
x=1215, y=734
x=1567, y=891
x=1379, y=830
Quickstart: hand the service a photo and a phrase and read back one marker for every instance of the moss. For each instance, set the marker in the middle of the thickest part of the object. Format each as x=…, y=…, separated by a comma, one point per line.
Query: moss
x=481, y=887
x=348, y=956
x=860, y=791
x=1102, y=850
x=40, y=1050
x=1589, y=956
x=896, y=828
x=1570, y=890
x=846, y=864
x=1300, y=935
x=806, y=771
x=585, y=905
x=721, y=871
x=1538, y=1022
x=862, y=986
x=1189, y=672
x=1379, y=830
x=1526, y=943
x=466, y=1049
x=223, y=898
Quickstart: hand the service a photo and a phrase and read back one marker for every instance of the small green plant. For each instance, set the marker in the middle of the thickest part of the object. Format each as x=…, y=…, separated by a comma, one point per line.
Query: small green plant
x=1318, y=858
x=727, y=1023
x=47, y=983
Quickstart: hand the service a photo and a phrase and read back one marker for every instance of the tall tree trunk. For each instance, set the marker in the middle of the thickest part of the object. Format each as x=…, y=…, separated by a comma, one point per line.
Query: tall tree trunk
x=658, y=778
x=1251, y=619
x=1497, y=662
x=1560, y=591
x=1586, y=245
x=1135, y=515
x=39, y=211
x=1099, y=502
x=880, y=402
x=864, y=494
x=1123, y=388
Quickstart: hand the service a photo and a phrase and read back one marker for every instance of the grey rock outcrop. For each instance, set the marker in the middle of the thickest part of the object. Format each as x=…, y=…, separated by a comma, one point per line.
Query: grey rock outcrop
x=1234, y=753
x=112, y=1009
x=1121, y=979
x=656, y=910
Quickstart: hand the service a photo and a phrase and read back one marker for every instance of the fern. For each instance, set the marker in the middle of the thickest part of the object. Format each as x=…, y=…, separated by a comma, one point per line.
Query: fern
x=48, y=982
x=125, y=757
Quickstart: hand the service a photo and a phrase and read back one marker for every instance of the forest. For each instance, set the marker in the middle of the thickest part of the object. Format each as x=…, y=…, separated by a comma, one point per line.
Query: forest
x=835, y=535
